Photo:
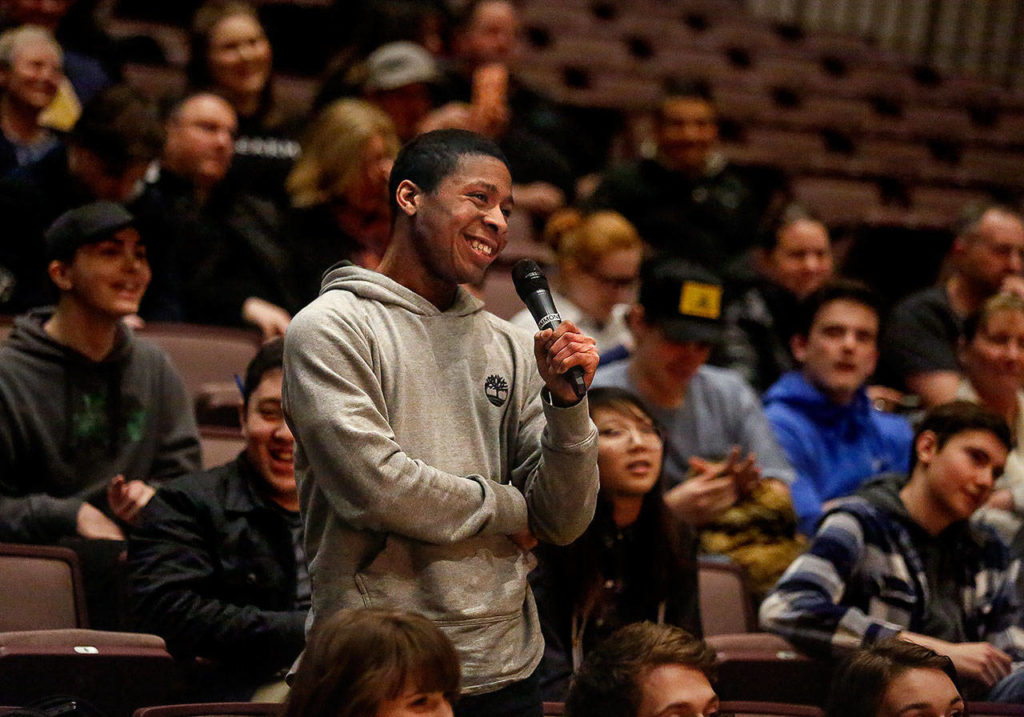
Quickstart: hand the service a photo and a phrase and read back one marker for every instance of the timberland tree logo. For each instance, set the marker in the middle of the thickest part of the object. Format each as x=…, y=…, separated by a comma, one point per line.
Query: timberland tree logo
x=496, y=389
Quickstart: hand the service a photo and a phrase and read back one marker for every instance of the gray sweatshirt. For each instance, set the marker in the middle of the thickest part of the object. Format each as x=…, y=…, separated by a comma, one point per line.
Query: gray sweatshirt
x=422, y=443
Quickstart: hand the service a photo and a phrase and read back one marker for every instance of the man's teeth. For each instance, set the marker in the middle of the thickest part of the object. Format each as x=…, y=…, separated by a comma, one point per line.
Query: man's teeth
x=482, y=248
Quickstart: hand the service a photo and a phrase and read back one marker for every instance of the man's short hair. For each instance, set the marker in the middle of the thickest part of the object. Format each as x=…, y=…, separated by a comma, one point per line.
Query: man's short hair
x=969, y=219
x=951, y=419
x=12, y=41
x=430, y=157
x=609, y=682
x=778, y=218
x=860, y=682
x=269, y=357
x=837, y=289
x=122, y=127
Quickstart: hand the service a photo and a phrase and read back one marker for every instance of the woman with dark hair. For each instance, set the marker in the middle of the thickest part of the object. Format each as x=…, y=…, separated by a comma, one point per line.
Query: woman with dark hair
x=633, y=563
x=375, y=663
x=230, y=55
x=892, y=678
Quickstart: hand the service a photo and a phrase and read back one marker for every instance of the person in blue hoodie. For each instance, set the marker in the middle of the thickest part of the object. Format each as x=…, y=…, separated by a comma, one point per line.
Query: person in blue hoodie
x=821, y=415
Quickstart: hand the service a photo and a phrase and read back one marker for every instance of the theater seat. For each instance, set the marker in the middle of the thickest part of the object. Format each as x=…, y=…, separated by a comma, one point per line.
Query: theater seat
x=40, y=588
x=760, y=666
x=115, y=671
x=210, y=709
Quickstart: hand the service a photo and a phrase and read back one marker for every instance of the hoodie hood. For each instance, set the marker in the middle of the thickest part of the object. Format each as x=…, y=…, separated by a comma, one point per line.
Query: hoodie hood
x=92, y=389
x=371, y=285
x=884, y=492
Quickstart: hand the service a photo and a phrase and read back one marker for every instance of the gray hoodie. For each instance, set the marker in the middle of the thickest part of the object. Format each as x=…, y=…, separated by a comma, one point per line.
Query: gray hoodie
x=422, y=443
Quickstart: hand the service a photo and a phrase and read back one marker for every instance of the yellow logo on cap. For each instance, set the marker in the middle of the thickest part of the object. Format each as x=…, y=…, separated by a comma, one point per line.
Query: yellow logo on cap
x=697, y=299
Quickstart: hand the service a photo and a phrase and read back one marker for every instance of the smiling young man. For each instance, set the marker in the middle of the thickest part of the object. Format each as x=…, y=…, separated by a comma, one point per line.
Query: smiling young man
x=216, y=561
x=88, y=414
x=900, y=558
x=435, y=443
x=821, y=414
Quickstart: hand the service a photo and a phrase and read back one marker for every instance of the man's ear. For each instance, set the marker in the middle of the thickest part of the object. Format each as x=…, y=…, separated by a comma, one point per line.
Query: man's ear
x=926, y=446
x=798, y=345
x=407, y=196
x=60, y=274
x=635, y=319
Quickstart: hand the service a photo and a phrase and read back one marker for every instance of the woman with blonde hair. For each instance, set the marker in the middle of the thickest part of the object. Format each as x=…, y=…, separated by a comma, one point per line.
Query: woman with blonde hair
x=991, y=354
x=375, y=663
x=598, y=257
x=339, y=191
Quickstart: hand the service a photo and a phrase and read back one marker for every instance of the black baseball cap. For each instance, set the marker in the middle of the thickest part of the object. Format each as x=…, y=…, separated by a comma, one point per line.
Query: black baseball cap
x=83, y=225
x=682, y=298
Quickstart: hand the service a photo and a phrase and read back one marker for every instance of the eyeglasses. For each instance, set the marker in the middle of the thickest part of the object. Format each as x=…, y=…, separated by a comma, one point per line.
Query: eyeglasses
x=616, y=282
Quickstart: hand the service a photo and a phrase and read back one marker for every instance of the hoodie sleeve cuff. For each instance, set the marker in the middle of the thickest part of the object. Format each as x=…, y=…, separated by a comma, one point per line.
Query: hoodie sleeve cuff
x=568, y=425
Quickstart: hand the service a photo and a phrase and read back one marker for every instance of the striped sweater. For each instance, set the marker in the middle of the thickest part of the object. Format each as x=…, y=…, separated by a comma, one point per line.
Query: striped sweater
x=864, y=578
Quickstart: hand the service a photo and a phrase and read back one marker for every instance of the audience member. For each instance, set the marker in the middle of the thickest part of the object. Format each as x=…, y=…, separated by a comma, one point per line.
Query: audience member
x=821, y=415
x=438, y=515
x=484, y=96
x=633, y=563
x=230, y=55
x=30, y=72
x=718, y=443
x=901, y=558
x=91, y=59
x=598, y=262
x=339, y=193
x=793, y=260
x=397, y=78
x=689, y=200
x=225, y=244
x=919, y=345
x=894, y=677
x=645, y=670
x=992, y=358
x=216, y=562
x=375, y=663
x=487, y=34
x=90, y=417
x=106, y=157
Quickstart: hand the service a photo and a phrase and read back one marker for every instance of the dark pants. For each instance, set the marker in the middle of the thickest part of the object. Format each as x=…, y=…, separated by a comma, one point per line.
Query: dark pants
x=520, y=699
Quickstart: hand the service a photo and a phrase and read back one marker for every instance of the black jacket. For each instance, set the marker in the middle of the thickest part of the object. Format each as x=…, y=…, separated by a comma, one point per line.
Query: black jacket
x=212, y=570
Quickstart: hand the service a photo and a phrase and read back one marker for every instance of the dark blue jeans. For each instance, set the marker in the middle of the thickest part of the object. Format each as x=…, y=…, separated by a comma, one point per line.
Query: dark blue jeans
x=520, y=699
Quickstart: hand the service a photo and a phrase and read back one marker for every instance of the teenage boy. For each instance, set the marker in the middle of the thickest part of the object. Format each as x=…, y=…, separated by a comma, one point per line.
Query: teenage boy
x=216, y=561
x=821, y=415
x=901, y=558
x=435, y=443
x=645, y=670
x=89, y=415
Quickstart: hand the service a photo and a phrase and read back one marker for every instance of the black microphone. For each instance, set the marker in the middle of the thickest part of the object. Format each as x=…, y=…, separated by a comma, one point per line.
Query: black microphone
x=532, y=287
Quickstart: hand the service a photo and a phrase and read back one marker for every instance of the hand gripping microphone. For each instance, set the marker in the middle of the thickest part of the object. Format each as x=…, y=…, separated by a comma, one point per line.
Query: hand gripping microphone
x=532, y=287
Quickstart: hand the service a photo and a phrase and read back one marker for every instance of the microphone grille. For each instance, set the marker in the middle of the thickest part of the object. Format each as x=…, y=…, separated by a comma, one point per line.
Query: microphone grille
x=527, y=277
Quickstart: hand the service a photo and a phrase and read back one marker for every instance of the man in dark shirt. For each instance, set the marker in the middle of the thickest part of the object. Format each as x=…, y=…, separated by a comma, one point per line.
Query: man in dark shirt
x=216, y=562
x=689, y=200
x=919, y=344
